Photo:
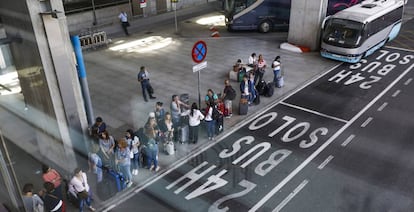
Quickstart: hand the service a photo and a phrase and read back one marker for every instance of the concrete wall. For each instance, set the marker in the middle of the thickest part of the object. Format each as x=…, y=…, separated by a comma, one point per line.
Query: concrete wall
x=108, y=16
x=306, y=17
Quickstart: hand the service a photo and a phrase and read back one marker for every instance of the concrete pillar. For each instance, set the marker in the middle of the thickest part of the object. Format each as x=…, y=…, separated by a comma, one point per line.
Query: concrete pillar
x=306, y=17
x=43, y=57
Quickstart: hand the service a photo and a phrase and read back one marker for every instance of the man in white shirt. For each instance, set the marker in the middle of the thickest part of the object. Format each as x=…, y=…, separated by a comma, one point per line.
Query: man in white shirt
x=123, y=18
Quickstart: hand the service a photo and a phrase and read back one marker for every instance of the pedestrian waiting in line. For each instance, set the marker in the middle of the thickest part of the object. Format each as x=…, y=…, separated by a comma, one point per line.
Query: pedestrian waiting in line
x=229, y=94
x=211, y=123
x=50, y=200
x=143, y=78
x=95, y=163
x=252, y=62
x=98, y=127
x=80, y=189
x=195, y=118
x=211, y=98
x=53, y=176
x=32, y=202
x=123, y=18
x=261, y=69
x=123, y=160
x=133, y=143
x=175, y=110
x=107, y=149
x=159, y=112
x=277, y=72
x=247, y=90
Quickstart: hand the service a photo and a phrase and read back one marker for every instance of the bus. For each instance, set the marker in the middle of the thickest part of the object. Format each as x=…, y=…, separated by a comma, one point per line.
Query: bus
x=267, y=15
x=360, y=30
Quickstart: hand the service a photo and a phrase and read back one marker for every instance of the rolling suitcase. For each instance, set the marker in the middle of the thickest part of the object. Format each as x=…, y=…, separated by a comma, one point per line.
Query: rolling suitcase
x=243, y=106
x=184, y=133
x=270, y=89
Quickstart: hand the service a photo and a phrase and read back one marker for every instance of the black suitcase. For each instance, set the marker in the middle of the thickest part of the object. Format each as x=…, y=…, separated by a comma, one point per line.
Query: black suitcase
x=270, y=89
x=261, y=87
x=256, y=100
x=243, y=107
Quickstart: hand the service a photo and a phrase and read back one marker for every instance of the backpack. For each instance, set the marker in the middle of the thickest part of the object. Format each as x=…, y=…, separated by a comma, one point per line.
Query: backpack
x=216, y=113
x=231, y=94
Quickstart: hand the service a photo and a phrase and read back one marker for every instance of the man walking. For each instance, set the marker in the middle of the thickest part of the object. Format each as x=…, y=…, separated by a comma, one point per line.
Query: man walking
x=143, y=78
x=123, y=17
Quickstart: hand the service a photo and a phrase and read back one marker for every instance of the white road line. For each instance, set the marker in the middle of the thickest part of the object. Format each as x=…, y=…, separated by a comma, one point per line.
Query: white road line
x=395, y=94
x=109, y=208
x=314, y=112
x=349, y=139
x=290, y=196
x=382, y=106
x=408, y=81
x=324, y=163
x=326, y=144
x=366, y=122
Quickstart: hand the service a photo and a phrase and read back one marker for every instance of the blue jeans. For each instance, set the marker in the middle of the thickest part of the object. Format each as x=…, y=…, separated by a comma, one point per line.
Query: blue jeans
x=211, y=128
x=87, y=201
x=126, y=171
x=152, y=157
x=275, y=76
x=135, y=161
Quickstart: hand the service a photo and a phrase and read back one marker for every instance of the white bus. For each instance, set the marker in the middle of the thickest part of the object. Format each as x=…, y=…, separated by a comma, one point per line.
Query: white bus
x=360, y=30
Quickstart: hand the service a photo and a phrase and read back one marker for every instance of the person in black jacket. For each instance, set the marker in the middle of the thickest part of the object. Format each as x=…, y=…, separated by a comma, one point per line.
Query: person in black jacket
x=52, y=202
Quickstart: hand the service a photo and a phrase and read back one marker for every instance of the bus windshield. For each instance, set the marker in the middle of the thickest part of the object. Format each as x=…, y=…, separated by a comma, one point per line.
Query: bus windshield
x=233, y=7
x=342, y=33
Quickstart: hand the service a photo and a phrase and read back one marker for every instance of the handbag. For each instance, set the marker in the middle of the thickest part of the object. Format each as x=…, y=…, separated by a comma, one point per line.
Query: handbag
x=131, y=154
x=83, y=194
x=150, y=89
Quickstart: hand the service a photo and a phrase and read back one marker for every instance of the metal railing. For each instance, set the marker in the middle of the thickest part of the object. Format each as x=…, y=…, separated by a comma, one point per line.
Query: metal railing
x=93, y=40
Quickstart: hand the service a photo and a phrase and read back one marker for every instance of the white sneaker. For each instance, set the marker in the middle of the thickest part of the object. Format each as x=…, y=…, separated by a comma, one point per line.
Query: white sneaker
x=158, y=168
x=129, y=184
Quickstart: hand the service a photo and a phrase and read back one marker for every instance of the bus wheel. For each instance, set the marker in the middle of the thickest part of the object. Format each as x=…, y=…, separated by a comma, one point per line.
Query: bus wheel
x=265, y=26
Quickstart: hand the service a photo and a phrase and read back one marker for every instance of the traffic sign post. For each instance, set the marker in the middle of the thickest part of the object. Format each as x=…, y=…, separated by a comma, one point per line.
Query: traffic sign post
x=198, y=54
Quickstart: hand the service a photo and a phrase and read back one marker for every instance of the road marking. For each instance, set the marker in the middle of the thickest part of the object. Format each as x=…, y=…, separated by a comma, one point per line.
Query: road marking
x=382, y=106
x=324, y=163
x=349, y=139
x=314, y=112
x=366, y=122
x=290, y=196
x=124, y=196
x=395, y=94
x=326, y=144
x=408, y=81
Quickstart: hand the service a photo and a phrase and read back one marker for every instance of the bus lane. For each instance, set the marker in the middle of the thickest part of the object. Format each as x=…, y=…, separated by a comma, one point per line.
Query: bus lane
x=247, y=168
x=242, y=167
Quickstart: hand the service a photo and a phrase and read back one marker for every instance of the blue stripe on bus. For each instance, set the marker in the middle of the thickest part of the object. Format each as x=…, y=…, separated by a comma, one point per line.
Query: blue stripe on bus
x=394, y=32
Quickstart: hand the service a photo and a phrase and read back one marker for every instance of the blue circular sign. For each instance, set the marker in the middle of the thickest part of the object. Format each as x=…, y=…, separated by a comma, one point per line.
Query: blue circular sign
x=199, y=51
